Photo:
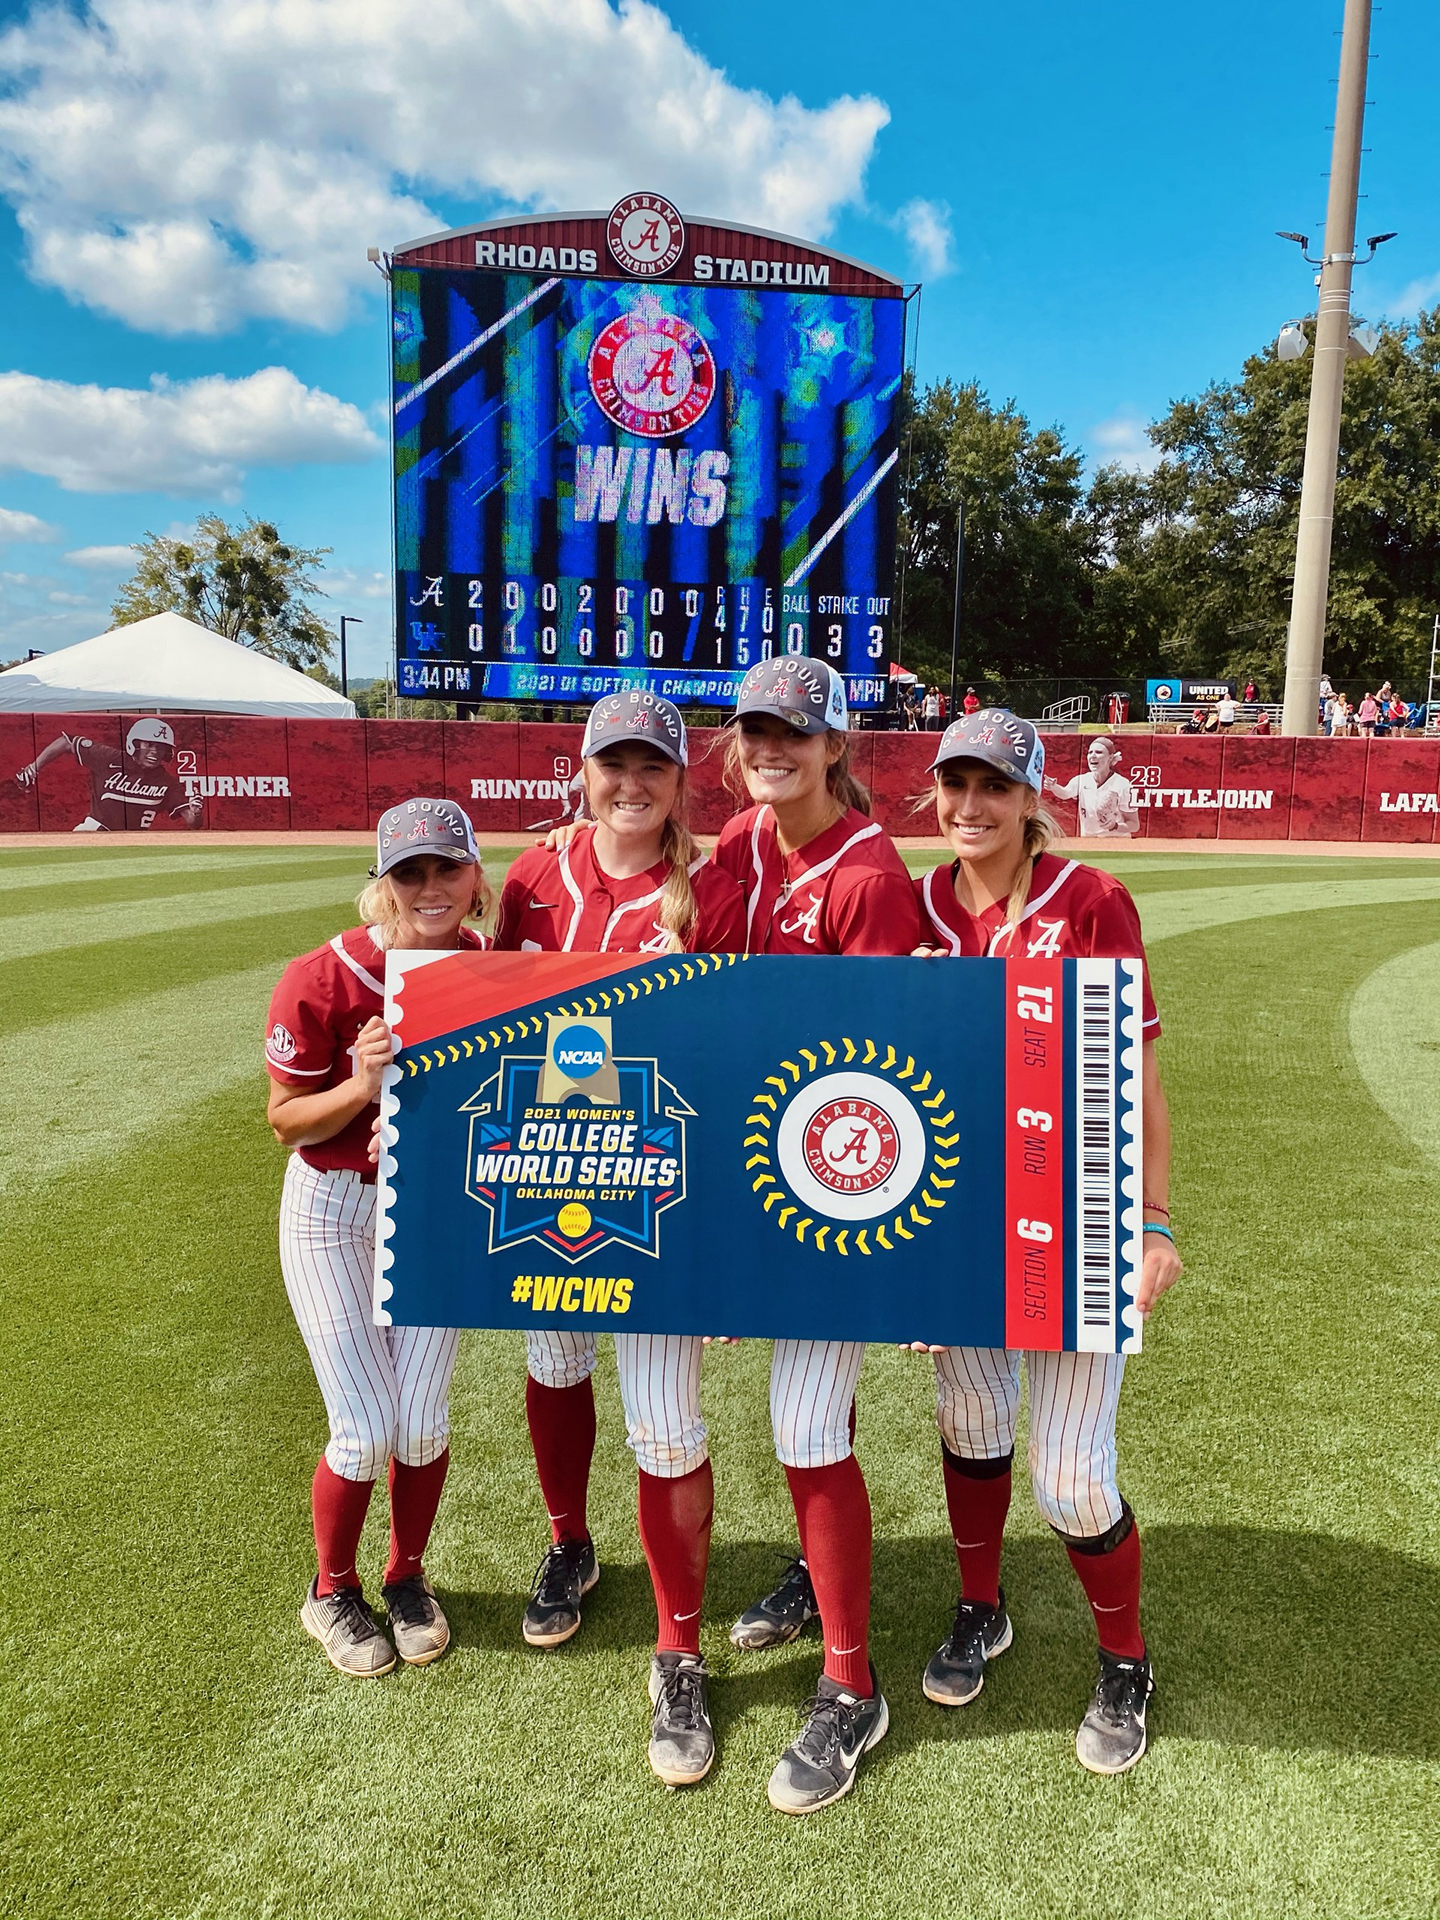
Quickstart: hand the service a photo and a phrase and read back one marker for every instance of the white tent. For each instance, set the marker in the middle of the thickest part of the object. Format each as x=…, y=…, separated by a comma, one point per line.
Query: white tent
x=165, y=664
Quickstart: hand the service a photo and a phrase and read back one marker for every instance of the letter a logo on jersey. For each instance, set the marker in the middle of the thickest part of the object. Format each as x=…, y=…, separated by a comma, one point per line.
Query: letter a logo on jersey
x=1046, y=944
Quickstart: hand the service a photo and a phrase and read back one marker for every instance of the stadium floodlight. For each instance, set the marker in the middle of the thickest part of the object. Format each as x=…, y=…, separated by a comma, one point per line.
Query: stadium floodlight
x=1291, y=344
x=1302, y=240
x=1378, y=240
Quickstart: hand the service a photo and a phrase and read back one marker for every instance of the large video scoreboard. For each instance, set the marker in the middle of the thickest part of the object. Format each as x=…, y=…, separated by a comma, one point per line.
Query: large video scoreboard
x=656, y=458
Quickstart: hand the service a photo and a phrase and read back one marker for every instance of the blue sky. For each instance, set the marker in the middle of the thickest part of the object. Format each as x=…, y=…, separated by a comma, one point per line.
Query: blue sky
x=187, y=189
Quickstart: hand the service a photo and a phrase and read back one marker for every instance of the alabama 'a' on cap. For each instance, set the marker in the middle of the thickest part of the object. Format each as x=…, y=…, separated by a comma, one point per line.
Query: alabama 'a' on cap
x=807, y=693
x=1000, y=739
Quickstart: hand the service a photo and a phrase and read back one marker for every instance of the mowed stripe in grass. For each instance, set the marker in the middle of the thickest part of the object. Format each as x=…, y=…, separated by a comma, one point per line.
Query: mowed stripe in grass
x=95, y=866
x=23, y=935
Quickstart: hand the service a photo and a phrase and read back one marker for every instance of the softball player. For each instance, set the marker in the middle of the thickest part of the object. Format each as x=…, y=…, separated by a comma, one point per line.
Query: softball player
x=386, y=1389
x=1005, y=894
x=634, y=882
x=127, y=790
x=819, y=877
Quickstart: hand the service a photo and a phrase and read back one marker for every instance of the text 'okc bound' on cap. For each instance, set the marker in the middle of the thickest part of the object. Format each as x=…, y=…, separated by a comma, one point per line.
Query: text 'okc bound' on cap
x=809, y=694
x=636, y=715
x=1000, y=739
x=423, y=826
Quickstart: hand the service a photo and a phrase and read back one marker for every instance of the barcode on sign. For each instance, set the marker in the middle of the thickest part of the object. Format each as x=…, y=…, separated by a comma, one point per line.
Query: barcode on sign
x=1095, y=1150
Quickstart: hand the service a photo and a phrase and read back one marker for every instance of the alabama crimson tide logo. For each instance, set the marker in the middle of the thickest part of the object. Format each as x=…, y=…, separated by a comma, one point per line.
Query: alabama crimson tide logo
x=851, y=1146
x=651, y=372
x=645, y=234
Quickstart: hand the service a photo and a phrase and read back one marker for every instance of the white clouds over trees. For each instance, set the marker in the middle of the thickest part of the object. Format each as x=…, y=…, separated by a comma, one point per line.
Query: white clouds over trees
x=187, y=165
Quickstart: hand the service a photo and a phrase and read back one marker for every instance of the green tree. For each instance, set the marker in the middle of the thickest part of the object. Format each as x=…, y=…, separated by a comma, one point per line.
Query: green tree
x=1029, y=559
x=243, y=582
x=1198, y=557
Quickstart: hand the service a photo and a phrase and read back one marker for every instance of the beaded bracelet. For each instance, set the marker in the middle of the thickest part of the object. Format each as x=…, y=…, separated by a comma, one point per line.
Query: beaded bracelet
x=1155, y=1207
x=1154, y=1226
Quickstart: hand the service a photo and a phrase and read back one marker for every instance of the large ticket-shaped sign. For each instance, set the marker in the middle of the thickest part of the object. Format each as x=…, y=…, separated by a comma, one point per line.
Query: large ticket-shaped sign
x=867, y=1149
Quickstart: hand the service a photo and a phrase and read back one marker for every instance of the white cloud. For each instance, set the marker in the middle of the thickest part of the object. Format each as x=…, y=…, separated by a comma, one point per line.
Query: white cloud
x=188, y=164
x=62, y=599
x=926, y=225
x=1122, y=441
x=16, y=526
x=1406, y=304
x=192, y=436
x=102, y=559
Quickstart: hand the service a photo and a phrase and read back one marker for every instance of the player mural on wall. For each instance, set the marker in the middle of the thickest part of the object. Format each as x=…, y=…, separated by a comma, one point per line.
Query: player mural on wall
x=129, y=790
x=1104, y=797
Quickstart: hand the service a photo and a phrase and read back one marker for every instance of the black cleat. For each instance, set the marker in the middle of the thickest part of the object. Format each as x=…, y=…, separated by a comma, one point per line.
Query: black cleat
x=563, y=1578
x=819, y=1768
x=1112, y=1734
x=781, y=1616
x=682, y=1742
x=956, y=1672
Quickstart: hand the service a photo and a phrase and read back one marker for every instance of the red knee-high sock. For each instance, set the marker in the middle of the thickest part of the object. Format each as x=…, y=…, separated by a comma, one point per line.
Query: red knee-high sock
x=675, y=1517
x=562, y=1432
x=832, y=1509
x=977, y=1498
x=338, y=1509
x=1112, y=1586
x=414, y=1501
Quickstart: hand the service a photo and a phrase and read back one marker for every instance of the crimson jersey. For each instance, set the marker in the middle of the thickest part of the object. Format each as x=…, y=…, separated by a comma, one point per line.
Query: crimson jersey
x=564, y=902
x=847, y=891
x=319, y=1005
x=123, y=794
x=1073, y=913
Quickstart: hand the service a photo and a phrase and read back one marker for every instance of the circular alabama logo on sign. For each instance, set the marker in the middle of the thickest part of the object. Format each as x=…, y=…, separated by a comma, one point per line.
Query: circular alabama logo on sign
x=645, y=234
x=851, y=1146
x=651, y=372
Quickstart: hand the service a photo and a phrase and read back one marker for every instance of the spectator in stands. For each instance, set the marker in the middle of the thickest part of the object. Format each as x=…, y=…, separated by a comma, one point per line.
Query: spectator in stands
x=1328, y=705
x=1226, y=712
x=1196, y=722
x=931, y=710
x=1382, y=698
x=1249, y=695
x=1327, y=692
x=971, y=703
x=1366, y=716
x=1262, y=722
x=1397, y=711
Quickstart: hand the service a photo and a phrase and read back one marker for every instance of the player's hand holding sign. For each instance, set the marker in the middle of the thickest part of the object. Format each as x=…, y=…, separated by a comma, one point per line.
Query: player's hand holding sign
x=374, y=1050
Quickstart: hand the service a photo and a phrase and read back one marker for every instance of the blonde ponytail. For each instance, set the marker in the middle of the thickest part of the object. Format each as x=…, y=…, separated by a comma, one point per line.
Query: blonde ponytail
x=378, y=911
x=1039, y=830
x=679, y=909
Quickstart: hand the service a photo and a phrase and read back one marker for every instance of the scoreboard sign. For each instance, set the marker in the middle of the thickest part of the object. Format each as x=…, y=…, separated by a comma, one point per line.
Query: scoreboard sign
x=631, y=454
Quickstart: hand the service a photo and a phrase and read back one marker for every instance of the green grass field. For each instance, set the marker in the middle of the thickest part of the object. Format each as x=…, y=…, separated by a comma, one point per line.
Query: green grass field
x=172, y=1745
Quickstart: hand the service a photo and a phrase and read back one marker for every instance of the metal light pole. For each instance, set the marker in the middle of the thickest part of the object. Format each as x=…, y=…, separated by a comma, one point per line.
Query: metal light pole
x=346, y=620
x=955, y=629
x=1305, y=650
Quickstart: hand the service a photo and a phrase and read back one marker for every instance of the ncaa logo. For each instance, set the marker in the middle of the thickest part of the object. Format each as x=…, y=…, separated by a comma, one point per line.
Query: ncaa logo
x=851, y=1146
x=645, y=234
x=578, y=1052
x=651, y=372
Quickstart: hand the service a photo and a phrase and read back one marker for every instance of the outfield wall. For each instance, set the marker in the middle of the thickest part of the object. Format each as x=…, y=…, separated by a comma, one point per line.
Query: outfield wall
x=322, y=775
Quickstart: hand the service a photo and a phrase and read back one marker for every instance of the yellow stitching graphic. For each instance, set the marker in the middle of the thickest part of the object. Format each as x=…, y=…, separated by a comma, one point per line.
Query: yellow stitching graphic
x=847, y=1239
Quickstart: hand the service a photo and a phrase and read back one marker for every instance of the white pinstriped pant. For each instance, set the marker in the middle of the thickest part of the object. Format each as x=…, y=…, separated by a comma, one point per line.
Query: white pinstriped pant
x=386, y=1389
x=1073, y=1401
x=812, y=1383
x=659, y=1388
